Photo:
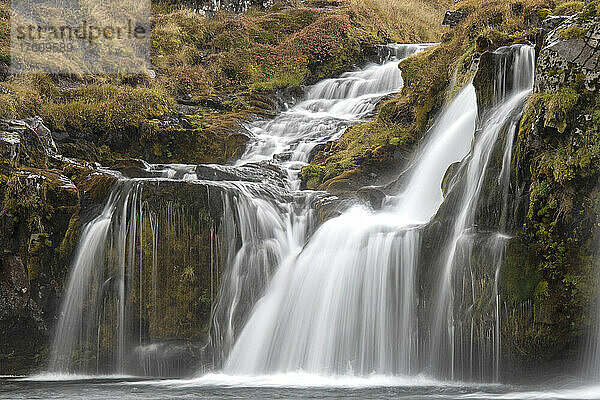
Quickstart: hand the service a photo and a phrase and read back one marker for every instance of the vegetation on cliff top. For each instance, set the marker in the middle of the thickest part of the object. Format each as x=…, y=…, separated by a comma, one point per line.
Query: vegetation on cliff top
x=228, y=66
x=430, y=78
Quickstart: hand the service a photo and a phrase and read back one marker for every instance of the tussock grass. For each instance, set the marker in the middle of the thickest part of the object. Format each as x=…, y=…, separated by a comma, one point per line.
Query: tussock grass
x=231, y=60
x=405, y=20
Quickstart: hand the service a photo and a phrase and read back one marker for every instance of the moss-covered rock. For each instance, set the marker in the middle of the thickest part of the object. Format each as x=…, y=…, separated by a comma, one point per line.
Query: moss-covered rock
x=41, y=227
x=550, y=263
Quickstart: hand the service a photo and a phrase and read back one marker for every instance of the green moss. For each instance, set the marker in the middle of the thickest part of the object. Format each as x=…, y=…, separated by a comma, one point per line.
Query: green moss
x=555, y=154
x=520, y=276
x=543, y=13
x=568, y=8
x=559, y=108
x=69, y=242
x=572, y=32
x=104, y=109
x=589, y=11
x=541, y=291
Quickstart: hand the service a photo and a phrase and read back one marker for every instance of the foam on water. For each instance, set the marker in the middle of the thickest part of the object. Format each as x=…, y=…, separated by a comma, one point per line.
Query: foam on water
x=302, y=380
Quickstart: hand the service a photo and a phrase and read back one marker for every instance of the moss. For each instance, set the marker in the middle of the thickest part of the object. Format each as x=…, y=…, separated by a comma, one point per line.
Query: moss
x=589, y=12
x=69, y=241
x=572, y=32
x=543, y=13
x=559, y=108
x=568, y=8
x=104, y=109
x=94, y=186
x=312, y=176
x=373, y=147
x=520, y=275
x=199, y=145
x=555, y=152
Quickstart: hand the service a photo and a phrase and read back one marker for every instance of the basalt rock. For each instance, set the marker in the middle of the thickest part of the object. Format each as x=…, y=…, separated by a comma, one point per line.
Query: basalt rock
x=26, y=142
x=39, y=229
x=571, y=52
x=453, y=17
x=549, y=271
x=372, y=196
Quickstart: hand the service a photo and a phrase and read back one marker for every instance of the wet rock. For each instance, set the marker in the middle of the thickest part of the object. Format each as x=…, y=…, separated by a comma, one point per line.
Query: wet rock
x=316, y=150
x=26, y=142
x=372, y=196
x=167, y=359
x=453, y=17
x=165, y=142
x=449, y=176
x=329, y=206
x=22, y=325
x=552, y=22
x=132, y=168
x=490, y=65
x=16, y=281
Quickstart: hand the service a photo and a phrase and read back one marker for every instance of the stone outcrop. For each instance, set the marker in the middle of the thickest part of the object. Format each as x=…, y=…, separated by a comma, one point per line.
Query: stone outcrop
x=550, y=263
x=453, y=17
x=571, y=50
x=41, y=215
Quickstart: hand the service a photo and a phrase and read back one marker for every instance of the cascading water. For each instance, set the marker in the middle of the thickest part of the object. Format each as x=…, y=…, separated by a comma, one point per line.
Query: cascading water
x=143, y=241
x=347, y=302
x=328, y=108
x=463, y=344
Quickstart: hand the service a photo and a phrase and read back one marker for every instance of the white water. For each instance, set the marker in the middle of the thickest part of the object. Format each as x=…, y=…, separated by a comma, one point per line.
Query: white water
x=264, y=221
x=347, y=302
x=328, y=108
x=451, y=333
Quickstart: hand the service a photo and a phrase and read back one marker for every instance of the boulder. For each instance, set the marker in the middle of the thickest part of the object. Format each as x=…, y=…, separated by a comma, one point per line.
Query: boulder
x=26, y=142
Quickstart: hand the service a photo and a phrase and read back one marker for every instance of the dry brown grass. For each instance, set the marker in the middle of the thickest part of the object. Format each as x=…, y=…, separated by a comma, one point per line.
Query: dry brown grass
x=408, y=20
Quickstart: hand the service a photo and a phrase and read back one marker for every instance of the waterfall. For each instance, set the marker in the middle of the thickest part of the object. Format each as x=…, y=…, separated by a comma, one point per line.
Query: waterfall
x=282, y=295
x=347, y=302
x=328, y=108
x=461, y=345
x=144, y=242
x=251, y=217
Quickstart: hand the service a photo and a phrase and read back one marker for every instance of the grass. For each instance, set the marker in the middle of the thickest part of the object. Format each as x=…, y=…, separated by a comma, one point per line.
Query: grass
x=404, y=20
x=228, y=64
x=430, y=79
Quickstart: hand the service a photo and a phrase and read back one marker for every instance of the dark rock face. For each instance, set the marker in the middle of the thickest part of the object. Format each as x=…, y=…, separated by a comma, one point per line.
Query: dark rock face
x=453, y=18
x=26, y=142
x=372, y=196
x=553, y=22
x=40, y=220
x=491, y=65
x=21, y=319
